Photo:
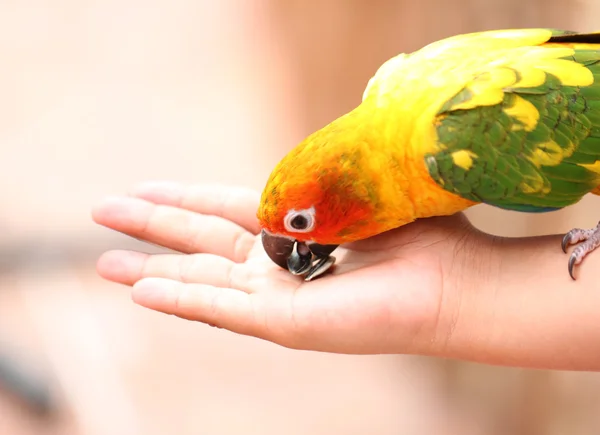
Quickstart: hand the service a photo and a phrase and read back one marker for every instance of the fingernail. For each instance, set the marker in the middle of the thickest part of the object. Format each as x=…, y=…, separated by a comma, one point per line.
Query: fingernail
x=150, y=292
x=110, y=205
x=157, y=190
x=118, y=211
x=121, y=265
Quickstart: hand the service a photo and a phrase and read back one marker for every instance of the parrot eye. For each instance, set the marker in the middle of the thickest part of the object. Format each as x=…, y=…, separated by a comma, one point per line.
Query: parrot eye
x=300, y=221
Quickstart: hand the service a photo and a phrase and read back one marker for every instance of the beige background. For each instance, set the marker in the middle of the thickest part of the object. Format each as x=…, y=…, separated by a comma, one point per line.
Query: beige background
x=98, y=95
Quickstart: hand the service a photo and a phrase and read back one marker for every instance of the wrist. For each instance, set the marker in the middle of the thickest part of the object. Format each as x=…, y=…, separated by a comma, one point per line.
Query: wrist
x=520, y=307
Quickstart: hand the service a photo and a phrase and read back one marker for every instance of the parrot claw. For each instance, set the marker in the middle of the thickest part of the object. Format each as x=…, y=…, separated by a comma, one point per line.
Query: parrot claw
x=572, y=260
x=566, y=241
x=590, y=239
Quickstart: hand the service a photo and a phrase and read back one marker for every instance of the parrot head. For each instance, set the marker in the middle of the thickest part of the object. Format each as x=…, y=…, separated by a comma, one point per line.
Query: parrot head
x=318, y=197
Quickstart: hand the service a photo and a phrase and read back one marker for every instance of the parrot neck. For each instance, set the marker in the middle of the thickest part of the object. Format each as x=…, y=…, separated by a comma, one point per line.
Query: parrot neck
x=397, y=163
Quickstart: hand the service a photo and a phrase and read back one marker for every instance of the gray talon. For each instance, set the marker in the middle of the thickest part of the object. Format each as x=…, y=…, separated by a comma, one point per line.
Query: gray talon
x=566, y=241
x=572, y=260
x=590, y=239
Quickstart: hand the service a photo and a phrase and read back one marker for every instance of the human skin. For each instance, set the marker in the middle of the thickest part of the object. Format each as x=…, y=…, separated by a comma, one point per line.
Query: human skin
x=436, y=287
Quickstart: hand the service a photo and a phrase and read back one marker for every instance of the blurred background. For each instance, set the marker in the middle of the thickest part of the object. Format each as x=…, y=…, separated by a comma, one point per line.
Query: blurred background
x=97, y=95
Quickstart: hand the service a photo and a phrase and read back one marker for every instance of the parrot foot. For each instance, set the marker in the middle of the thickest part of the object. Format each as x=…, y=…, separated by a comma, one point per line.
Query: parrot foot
x=590, y=239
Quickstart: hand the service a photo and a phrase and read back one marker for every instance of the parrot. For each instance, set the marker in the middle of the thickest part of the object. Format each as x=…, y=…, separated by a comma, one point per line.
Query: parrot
x=508, y=118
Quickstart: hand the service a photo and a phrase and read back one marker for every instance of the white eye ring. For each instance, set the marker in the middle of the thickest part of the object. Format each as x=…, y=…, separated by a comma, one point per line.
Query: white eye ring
x=300, y=221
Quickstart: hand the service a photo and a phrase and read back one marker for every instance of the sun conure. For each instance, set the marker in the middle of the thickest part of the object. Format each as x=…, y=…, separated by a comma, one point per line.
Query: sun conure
x=509, y=118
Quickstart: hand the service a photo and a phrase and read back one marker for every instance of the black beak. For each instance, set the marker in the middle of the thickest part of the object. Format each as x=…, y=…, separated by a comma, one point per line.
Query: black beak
x=299, y=258
x=277, y=248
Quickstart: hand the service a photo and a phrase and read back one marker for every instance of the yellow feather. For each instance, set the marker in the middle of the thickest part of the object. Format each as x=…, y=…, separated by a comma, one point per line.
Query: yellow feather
x=488, y=88
x=550, y=154
x=568, y=72
x=525, y=112
x=463, y=159
x=594, y=167
x=530, y=77
x=535, y=184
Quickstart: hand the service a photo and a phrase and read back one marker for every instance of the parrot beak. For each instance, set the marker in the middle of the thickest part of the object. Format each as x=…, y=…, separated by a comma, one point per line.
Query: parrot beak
x=277, y=248
x=299, y=258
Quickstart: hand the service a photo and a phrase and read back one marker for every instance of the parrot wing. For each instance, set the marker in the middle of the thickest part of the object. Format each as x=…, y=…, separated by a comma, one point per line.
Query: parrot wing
x=523, y=133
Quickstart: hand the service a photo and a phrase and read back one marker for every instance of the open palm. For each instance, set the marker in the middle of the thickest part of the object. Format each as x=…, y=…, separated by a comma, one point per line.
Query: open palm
x=381, y=295
x=434, y=287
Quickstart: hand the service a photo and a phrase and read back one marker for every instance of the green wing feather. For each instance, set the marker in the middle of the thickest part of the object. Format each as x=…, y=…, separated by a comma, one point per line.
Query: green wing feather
x=498, y=154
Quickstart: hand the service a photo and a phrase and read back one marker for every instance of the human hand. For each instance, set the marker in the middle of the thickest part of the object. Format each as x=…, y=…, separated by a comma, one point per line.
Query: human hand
x=435, y=287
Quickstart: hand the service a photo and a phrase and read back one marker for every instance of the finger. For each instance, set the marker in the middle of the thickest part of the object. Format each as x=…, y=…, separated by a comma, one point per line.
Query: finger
x=222, y=307
x=173, y=228
x=129, y=267
x=237, y=204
